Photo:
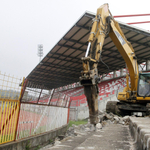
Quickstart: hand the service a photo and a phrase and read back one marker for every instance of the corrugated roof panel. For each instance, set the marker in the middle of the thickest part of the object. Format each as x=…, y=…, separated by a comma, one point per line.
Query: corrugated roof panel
x=55, y=48
x=75, y=53
x=79, y=34
x=83, y=21
x=69, y=43
x=84, y=39
x=138, y=37
x=145, y=40
x=62, y=41
x=72, y=32
x=56, y=61
x=77, y=45
x=51, y=60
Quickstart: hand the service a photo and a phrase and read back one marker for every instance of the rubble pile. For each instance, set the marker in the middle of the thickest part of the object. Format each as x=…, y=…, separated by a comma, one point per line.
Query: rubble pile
x=104, y=119
x=110, y=118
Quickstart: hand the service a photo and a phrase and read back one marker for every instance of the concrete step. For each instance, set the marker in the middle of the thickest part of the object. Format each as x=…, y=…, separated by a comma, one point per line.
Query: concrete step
x=140, y=130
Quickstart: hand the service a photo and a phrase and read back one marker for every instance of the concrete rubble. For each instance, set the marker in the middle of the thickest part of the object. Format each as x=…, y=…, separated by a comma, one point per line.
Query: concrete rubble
x=105, y=119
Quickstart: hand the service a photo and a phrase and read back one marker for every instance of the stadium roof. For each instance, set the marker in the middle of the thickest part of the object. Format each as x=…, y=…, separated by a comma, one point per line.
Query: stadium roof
x=63, y=66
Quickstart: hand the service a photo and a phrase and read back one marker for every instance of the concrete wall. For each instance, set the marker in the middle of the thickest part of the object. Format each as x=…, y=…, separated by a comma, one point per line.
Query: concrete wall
x=102, y=103
x=82, y=111
x=35, y=141
x=73, y=114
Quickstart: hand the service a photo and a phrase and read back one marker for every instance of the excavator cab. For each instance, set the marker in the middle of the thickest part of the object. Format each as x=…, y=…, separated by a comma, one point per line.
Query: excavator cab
x=144, y=85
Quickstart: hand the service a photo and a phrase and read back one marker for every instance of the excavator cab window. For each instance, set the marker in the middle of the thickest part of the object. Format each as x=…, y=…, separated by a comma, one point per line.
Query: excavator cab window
x=144, y=85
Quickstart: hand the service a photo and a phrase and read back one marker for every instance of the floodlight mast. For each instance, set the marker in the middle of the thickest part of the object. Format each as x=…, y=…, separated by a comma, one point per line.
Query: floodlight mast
x=40, y=51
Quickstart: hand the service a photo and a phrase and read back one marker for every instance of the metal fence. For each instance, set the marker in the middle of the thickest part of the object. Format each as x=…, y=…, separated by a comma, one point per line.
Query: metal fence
x=27, y=109
x=41, y=110
x=8, y=118
x=9, y=106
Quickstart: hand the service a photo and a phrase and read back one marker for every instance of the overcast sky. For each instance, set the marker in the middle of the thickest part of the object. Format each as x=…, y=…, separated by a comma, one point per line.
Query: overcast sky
x=26, y=23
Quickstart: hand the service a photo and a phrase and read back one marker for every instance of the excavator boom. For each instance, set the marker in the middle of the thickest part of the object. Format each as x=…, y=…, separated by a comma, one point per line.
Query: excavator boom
x=103, y=25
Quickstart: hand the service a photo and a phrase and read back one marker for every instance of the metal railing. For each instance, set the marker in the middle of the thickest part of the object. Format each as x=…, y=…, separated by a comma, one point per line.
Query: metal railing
x=41, y=110
x=8, y=117
x=27, y=109
x=10, y=93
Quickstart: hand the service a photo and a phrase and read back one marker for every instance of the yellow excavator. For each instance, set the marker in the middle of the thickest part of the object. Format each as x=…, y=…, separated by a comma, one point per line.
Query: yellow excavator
x=136, y=95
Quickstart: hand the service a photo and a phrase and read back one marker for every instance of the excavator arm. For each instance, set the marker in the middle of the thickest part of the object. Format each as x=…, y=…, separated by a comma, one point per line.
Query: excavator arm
x=103, y=25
